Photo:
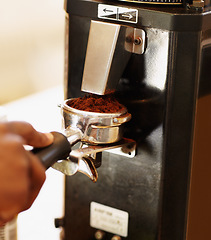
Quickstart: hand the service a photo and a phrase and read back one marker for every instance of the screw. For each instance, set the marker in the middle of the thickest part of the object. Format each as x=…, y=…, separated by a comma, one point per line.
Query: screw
x=138, y=41
x=115, y=237
x=129, y=39
x=99, y=235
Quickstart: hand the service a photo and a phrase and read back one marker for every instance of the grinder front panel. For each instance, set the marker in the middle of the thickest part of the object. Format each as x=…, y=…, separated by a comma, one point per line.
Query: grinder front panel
x=127, y=184
x=144, y=197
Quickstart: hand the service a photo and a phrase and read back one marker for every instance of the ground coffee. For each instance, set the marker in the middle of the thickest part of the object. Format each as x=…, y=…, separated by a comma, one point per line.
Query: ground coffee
x=96, y=103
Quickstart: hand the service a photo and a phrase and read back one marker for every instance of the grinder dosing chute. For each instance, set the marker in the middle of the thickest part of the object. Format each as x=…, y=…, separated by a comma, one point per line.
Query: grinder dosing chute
x=99, y=131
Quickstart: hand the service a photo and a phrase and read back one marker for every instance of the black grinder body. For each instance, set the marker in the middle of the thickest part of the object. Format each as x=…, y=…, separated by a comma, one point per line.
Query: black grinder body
x=167, y=89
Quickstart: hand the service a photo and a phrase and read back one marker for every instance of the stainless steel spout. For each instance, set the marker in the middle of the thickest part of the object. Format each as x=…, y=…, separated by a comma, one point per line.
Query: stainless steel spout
x=106, y=57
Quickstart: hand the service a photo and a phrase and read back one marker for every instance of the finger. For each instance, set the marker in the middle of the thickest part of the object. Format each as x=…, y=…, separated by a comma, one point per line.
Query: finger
x=29, y=134
x=3, y=221
x=37, y=177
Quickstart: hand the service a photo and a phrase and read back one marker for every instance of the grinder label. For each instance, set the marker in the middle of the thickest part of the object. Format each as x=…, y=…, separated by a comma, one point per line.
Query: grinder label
x=117, y=13
x=109, y=219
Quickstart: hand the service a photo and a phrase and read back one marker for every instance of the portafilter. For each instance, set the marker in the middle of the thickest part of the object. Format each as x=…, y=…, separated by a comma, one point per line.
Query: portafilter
x=100, y=131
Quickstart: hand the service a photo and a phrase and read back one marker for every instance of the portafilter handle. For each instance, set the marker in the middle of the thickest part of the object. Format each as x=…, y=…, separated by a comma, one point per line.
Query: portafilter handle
x=58, y=150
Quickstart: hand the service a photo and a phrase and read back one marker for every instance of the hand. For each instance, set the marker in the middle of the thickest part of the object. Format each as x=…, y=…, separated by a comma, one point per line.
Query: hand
x=21, y=173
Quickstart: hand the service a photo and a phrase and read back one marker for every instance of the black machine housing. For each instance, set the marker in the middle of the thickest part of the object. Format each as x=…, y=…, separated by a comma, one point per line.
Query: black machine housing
x=167, y=89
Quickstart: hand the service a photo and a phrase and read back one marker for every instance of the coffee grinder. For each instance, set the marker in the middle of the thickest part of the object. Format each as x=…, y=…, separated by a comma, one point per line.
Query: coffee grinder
x=155, y=57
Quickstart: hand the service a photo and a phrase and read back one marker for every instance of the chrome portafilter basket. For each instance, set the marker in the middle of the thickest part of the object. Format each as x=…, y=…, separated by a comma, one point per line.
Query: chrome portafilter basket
x=94, y=127
x=97, y=132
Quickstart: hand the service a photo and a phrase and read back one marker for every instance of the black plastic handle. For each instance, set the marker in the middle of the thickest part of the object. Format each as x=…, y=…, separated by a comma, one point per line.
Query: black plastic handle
x=58, y=150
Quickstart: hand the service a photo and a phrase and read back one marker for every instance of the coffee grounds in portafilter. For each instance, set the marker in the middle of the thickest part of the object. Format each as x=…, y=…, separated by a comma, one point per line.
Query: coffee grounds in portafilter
x=96, y=103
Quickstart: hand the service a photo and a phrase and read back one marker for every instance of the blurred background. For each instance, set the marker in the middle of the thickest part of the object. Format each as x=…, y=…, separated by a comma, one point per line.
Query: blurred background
x=31, y=47
x=31, y=74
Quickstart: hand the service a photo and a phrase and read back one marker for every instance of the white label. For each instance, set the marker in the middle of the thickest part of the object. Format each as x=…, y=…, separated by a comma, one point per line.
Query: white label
x=118, y=13
x=109, y=219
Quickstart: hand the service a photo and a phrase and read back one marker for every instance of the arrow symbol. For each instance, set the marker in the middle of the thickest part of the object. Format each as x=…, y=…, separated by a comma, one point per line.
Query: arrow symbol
x=129, y=16
x=107, y=10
